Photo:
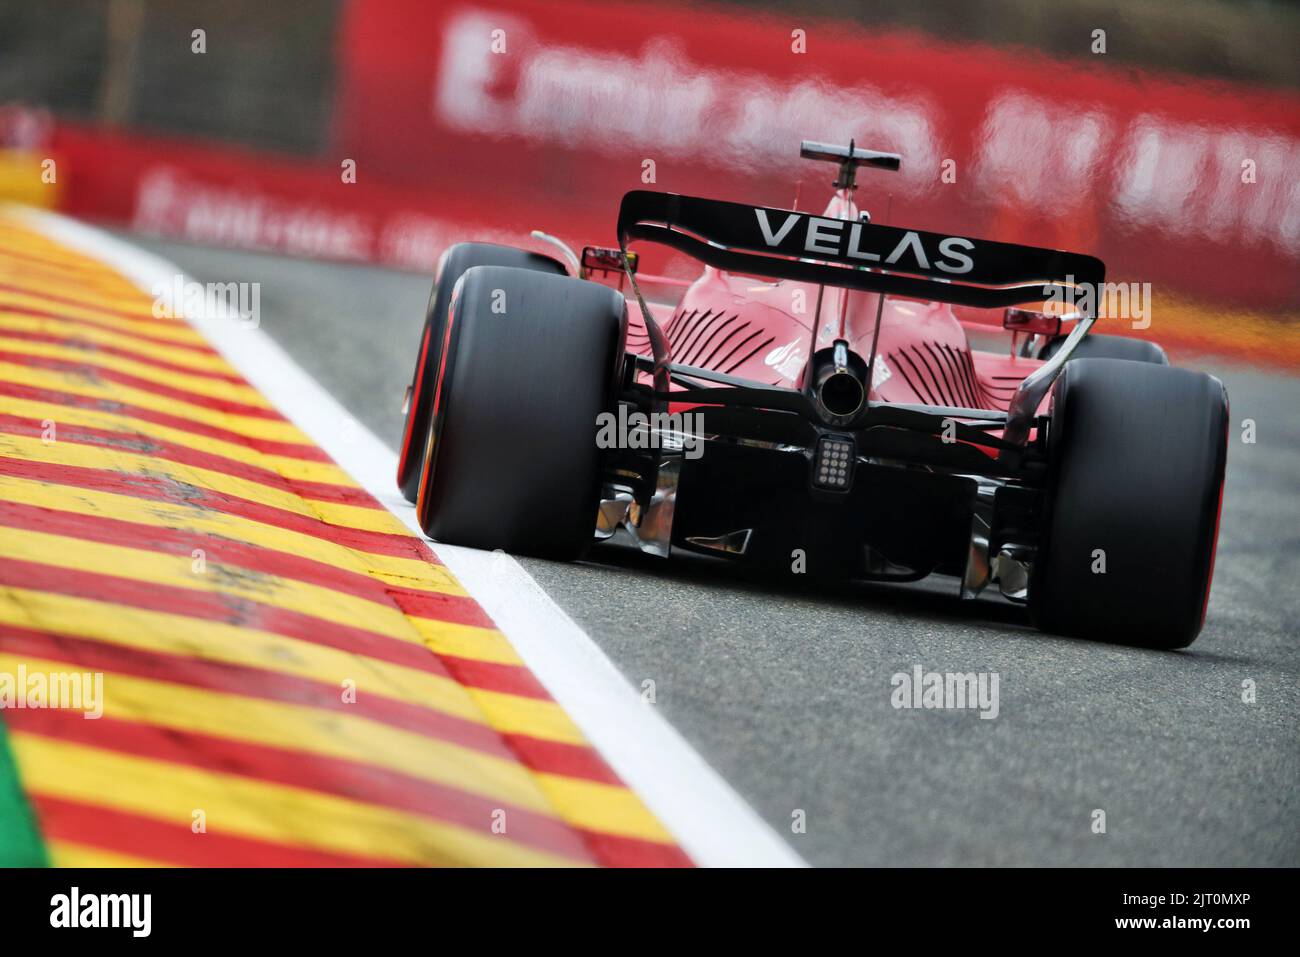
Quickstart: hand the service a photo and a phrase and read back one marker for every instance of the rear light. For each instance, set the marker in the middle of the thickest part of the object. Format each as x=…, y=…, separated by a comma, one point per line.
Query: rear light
x=833, y=463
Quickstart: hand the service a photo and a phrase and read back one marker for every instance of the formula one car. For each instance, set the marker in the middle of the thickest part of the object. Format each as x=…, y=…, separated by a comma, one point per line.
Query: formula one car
x=828, y=418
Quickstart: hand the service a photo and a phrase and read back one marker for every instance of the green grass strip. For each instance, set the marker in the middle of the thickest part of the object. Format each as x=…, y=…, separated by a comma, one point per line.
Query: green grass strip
x=20, y=841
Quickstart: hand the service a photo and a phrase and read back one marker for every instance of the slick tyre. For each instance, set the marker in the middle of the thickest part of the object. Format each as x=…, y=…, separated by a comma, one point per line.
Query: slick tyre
x=1135, y=480
x=451, y=267
x=532, y=361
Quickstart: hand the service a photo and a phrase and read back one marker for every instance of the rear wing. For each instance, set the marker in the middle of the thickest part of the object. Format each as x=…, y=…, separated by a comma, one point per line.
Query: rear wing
x=785, y=244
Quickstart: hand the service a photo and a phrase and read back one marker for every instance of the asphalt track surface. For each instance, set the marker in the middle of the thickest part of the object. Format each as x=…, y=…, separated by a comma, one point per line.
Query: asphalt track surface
x=785, y=688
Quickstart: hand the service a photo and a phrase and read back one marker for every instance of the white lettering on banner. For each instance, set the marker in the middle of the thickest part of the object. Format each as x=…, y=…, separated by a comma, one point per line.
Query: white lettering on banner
x=462, y=96
x=1186, y=180
x=171, y=204
x=1028, y=155
x=617, y=102
x=1180, y=177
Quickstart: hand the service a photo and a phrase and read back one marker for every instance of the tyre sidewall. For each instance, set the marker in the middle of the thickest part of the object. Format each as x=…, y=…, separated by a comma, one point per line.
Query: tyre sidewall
x=451, y=266
x=513, y=461
x=1137, y=458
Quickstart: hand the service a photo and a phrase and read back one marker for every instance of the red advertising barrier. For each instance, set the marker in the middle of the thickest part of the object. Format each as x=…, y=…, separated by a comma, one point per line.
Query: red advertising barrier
x=1171, y=180
x=493, y=118
x=227, y=197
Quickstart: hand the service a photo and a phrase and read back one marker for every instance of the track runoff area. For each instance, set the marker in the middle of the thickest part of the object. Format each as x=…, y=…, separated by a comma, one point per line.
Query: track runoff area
x=236, y=650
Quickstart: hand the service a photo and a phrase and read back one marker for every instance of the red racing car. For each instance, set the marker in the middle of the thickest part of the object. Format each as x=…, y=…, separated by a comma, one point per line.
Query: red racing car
x=811, y=402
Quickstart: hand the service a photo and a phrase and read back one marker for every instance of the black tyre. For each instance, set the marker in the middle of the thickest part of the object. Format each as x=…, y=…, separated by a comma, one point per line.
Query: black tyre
x=1096, y=346
x=451, y=267
x=532, y=361
x=1137, y=456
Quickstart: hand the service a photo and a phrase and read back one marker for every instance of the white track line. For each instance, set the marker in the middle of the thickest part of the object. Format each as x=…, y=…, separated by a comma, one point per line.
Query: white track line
x=710, y=821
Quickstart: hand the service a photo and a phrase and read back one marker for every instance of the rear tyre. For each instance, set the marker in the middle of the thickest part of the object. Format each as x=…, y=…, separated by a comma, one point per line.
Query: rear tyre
x=512, y=461
x=451, y=267
x=1109, y=347
x=1137, y=456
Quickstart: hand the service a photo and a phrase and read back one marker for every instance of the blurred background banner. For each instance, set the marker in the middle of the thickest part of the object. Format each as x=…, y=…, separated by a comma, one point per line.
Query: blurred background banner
x=1168, y=143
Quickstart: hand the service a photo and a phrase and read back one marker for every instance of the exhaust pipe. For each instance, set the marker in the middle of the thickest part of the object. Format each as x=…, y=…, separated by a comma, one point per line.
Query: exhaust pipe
x=839, y=384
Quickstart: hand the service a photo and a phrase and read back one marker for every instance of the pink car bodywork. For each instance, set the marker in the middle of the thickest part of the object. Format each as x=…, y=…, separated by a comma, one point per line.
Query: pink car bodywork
x=766, y=331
